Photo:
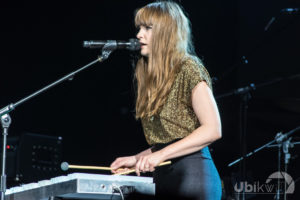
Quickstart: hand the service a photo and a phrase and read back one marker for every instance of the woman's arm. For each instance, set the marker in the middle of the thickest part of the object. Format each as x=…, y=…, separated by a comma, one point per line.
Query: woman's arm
x=143, y=153
x=128, y=161
x=206, y=110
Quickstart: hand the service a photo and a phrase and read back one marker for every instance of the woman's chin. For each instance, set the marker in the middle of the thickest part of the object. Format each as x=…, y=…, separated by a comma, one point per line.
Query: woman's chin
x=144, y=53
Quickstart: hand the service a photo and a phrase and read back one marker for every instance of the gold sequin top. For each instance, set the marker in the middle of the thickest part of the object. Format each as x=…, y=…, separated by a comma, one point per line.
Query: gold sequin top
x=177, y=119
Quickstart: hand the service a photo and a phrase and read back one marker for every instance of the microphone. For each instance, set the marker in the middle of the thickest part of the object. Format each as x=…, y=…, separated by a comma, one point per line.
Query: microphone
x=290, y=10
x=281, y=137
x=132, y=44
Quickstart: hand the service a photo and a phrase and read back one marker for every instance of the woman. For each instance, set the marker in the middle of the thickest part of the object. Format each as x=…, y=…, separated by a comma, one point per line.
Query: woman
x=176, y=107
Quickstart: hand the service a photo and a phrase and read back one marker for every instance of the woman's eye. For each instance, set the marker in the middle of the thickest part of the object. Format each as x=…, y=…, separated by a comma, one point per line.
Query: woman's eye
x=148, y=27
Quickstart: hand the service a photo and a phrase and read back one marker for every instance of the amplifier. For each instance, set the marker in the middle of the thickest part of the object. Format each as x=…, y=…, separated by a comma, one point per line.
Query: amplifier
x=32, y=157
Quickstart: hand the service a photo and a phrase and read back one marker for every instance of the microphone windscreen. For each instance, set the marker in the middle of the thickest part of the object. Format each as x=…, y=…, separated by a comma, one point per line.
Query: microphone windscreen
x=64, y=166
x=134, y=45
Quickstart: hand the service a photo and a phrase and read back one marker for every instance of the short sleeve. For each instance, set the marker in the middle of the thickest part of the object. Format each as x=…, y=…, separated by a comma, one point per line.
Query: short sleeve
x=195, y=72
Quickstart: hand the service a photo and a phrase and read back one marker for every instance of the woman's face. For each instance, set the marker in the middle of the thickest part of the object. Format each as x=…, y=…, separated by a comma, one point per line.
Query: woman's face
x=145, y=36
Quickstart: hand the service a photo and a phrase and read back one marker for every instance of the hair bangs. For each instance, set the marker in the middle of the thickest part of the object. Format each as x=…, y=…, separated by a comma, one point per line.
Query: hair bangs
x=144, y=17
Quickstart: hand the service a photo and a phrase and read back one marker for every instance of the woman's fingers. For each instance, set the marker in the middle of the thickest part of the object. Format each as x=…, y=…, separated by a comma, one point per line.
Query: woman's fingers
x=117, y=164
x=137, y=167
x=127, y=162
x=144, y=165
x=140, y=166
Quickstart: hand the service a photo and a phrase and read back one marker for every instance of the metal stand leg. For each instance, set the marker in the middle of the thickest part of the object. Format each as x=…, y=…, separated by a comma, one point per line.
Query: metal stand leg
x=5, y=121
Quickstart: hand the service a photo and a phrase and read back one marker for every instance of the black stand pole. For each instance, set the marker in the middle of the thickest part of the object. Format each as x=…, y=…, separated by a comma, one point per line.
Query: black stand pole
x=277, y=197
x=285, y=147
x=5, y=119
x=245, y=97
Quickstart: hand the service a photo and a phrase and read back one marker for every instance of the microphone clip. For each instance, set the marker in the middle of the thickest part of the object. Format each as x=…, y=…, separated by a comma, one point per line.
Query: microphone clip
x=110, y=45
x=107, y=49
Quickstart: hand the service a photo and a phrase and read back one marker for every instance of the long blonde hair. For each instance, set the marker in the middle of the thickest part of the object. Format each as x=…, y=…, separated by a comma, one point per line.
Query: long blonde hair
x=171, y=42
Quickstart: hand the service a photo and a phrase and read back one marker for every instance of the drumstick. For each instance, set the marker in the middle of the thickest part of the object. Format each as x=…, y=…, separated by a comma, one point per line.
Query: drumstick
x=133, y=170
x=65, y=166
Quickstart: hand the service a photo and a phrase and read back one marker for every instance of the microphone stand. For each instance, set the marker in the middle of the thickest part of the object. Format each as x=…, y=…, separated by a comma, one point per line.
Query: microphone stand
x=245, y=96
x=6, y=120
x=244, y=93
x=282, y=140
x=285, y=148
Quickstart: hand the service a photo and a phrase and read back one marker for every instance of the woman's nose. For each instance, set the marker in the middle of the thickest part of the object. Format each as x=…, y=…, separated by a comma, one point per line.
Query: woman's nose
x=139, y=34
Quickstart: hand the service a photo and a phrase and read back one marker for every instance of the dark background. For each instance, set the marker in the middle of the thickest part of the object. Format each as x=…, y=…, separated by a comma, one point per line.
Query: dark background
x=94, y=113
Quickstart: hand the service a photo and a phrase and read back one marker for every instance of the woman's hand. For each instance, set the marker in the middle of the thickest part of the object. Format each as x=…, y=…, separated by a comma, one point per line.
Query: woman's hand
x=148, y=162
x=123, y=162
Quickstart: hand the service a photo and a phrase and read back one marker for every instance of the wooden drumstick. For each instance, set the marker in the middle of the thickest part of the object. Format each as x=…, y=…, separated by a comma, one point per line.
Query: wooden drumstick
x=65, y=166
x=133, y=170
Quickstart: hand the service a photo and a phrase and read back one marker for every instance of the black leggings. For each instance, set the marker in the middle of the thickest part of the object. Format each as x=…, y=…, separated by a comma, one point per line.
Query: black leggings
x=191, y=177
